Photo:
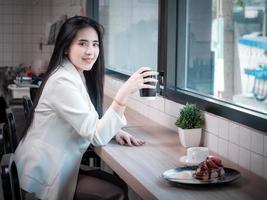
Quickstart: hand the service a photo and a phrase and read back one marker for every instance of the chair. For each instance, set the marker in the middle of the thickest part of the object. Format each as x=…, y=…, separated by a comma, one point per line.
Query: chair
x=90, y=158
x=2, y=139
x=27, y=104
x=3, y=107
x=33, y=92
x=12, y=141
x=9, y=176
x=10, y=180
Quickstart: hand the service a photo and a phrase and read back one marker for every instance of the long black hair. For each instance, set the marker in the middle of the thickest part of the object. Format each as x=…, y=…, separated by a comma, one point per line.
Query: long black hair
x=94, y=77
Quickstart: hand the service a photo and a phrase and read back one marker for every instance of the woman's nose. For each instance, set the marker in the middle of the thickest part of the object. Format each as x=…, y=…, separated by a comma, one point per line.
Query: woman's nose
x=89, y=50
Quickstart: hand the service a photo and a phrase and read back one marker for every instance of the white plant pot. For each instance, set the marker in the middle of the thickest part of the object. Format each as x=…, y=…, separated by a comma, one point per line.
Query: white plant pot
x=190, y=137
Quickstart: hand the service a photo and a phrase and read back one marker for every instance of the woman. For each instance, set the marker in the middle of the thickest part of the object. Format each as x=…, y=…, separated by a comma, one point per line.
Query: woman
x=65, y=118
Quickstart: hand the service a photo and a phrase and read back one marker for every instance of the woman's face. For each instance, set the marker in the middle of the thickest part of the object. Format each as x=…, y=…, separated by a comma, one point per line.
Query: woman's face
x=84, y=49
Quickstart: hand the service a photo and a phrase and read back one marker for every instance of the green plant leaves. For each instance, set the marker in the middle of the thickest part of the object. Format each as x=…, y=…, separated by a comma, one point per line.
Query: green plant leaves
x=190, y=117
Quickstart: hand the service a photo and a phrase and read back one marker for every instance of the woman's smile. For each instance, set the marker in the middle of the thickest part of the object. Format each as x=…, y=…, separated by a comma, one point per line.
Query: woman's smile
x=88, y=60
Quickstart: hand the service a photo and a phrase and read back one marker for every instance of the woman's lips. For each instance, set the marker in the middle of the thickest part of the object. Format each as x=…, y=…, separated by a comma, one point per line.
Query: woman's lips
x=88, y=60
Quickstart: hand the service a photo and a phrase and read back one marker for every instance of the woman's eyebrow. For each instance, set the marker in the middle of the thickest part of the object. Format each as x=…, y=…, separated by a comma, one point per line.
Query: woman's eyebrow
x=84, y=40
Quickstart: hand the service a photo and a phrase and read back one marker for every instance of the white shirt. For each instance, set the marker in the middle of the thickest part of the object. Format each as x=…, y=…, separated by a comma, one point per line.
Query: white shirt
x=65, y=123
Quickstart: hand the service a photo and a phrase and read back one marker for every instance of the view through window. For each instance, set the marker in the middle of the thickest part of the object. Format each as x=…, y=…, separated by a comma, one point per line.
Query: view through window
x=131, y=34
x=226, y=51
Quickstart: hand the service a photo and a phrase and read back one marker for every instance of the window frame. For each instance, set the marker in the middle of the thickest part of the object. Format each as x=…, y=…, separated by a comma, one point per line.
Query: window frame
x=168, y=24
x=167, y=33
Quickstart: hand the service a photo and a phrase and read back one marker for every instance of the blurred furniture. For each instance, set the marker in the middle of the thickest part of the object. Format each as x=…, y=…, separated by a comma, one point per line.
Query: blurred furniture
x=5, y=139
x=18, y=92
x=7, y=76
x=33, y=92
x=27, y=104
x=90, y=158
x=12, y=140
x=3, y=107
x=251, y=53
x=22, y=87
x=9, y=176
x=259, y=89
x=10, y=180
x=2, y=139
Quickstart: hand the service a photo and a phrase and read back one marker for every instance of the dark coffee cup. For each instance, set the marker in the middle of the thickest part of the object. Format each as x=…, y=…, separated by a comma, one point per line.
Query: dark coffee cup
x=149, y=93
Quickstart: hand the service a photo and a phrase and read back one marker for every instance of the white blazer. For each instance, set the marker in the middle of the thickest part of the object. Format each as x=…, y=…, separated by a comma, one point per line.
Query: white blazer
x=65, y=123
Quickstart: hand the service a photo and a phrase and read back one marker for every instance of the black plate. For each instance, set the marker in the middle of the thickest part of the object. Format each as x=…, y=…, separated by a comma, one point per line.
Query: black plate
x=183, y=175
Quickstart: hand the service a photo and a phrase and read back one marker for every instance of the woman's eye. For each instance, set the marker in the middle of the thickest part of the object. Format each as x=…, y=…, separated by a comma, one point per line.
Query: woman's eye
x=86, y=44
x=96, y=44
x=83, y=44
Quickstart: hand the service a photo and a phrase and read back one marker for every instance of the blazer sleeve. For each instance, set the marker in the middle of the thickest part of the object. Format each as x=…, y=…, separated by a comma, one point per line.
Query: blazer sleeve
x=69, y=103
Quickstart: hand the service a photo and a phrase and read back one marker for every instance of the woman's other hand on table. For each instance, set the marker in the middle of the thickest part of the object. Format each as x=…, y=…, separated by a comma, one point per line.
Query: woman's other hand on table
x=124, y=138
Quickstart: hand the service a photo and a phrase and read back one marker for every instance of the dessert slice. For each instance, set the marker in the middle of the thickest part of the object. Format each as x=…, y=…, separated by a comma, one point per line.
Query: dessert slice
x=209, y=169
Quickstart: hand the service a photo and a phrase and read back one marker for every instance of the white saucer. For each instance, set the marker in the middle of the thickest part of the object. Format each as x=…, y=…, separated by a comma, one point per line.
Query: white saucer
x=187, y=162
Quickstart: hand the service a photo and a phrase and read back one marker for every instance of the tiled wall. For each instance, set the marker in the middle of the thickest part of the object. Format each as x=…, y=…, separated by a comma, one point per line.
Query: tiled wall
x=236, y=142
x=24, y=25
x=67, y=7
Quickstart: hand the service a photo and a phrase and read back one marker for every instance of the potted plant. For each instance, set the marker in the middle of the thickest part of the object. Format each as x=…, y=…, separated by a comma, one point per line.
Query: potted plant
x=189, y=125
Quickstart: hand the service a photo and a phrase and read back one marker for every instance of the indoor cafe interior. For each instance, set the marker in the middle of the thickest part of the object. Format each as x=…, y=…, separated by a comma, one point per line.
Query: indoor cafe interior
x=201, y=134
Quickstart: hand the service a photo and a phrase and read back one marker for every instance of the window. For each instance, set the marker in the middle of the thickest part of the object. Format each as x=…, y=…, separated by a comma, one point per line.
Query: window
x=211, y=52
x=219, y=58
x=131, y=34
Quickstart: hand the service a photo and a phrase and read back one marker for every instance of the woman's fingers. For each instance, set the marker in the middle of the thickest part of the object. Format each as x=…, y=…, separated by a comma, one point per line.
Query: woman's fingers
x=138, y=142
x=149, y=73
x=128, y=140
x=120, y=140
x=148, y=86
x=145, y=80
x=124, y=138
x=134, y=141
x=139, y=79
x=142, y=69
x=141, y=142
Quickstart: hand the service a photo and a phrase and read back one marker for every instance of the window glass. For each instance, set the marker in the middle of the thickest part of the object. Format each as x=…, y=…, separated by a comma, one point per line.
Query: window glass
x=131, y=34
x=226, y=51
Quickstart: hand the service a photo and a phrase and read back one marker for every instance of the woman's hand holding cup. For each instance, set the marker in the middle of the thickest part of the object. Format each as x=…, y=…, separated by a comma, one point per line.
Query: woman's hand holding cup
x=143, y=78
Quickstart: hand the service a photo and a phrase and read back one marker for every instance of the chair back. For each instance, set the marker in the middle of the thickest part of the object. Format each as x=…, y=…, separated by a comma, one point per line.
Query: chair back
x=3, y=107
x=2, y=142
x=27, y=104
x=5, y=139
x=33, y=92
x=10, y=179
x=12, y=135
x=90, y=158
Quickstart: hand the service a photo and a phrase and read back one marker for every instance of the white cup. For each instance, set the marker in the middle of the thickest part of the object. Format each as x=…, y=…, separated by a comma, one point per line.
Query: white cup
x=197, y=154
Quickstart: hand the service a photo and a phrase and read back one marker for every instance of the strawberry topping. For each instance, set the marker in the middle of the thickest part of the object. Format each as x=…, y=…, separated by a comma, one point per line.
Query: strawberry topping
x=210, y=168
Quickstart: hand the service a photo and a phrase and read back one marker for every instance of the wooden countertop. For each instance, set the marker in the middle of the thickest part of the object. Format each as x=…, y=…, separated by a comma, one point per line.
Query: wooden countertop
x=141, y=167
